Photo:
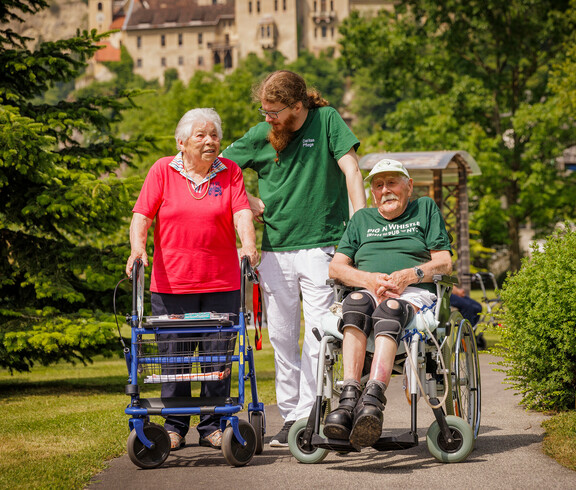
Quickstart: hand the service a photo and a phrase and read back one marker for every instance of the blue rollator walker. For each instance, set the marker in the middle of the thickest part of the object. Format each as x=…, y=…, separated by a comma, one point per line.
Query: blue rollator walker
x=439, y=360
x=204, y=351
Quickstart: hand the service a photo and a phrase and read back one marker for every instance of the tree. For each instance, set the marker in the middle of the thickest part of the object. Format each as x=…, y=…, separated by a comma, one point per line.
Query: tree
x=473, y=75
x=61, y=202
x=538, y=347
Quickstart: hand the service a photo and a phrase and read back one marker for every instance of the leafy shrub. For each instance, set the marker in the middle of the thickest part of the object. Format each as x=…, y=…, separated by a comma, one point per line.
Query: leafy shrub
x=538, y=343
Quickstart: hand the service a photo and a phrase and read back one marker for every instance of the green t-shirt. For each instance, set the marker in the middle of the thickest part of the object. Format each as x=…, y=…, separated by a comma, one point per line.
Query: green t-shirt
x=304, y=191
x=376, y=244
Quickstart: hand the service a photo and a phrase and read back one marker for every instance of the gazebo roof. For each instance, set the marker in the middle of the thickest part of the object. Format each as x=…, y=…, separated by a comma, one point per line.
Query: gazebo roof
x=425, y=160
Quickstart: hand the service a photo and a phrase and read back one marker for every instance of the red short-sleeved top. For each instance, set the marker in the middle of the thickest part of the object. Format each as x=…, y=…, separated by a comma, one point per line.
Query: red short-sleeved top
x=194, y=239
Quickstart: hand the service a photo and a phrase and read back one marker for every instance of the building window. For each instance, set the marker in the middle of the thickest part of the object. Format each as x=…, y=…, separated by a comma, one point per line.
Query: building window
x=100, y=7
x=163, y=61
x=276, y=5
x=227, y=38
x=249, y=7
x=180, y=39
x=284, y=4
x=332, y=32
x=323, y=31
x=228, y=60
x=200, y=38
x=139, y=42
x=180, y=60
x=139, y=63
x=200, y=60
x=258, y=6
x=163, y=40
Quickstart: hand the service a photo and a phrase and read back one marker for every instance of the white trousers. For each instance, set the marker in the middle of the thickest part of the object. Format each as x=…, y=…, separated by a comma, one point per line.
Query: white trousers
x=285, y=277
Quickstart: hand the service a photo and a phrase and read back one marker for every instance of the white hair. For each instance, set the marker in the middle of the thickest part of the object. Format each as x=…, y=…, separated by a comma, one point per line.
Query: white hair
x=193, y=117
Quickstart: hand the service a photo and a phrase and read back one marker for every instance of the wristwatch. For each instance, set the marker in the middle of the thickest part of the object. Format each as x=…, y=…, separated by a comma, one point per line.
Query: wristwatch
x=419, y=274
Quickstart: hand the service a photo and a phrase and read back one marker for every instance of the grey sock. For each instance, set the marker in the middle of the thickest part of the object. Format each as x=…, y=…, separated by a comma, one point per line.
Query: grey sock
x=352, y=382
x=381, y=384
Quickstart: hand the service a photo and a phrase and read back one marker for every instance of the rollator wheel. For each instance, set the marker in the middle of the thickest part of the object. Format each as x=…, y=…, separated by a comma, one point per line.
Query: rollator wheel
x=146, y=458
x=461, y=357
x=310, y=456
x=257, y=421
x=456, y=451
x=234, y=453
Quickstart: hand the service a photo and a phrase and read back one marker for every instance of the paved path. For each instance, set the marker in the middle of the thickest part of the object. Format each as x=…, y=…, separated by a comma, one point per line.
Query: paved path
x=508, y=454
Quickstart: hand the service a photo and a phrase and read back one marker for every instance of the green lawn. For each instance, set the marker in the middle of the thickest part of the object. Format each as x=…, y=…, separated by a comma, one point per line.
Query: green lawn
x=61, y=424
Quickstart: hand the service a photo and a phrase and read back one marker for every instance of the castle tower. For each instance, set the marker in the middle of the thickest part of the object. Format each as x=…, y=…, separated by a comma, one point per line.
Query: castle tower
x=100, y=14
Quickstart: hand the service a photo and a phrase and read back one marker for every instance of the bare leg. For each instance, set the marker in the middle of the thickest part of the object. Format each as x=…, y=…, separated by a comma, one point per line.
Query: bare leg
x=383, y=362
x=353, y=353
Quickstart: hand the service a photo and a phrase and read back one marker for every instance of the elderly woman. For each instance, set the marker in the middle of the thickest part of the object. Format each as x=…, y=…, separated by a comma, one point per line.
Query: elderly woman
x=198, y=201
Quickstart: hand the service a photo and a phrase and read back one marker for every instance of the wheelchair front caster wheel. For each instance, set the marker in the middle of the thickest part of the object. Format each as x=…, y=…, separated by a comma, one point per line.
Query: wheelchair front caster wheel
x=304, y=455
x=146, y=458
x=461, y=445
x=235, y=453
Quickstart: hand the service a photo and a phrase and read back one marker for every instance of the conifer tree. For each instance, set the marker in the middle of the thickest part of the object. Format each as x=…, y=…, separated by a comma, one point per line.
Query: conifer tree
x=63, y=208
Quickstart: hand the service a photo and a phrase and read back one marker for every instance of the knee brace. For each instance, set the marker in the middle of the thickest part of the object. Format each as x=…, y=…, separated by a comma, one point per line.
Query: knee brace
x=390, y=318
x=357, y=309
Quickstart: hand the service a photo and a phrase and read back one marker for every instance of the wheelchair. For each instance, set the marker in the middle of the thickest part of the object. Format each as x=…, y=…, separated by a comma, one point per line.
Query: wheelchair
x=438, y=358
x=491, y=305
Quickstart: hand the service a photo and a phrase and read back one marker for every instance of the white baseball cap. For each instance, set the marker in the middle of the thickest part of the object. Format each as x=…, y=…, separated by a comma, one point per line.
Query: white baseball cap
x=387, y=165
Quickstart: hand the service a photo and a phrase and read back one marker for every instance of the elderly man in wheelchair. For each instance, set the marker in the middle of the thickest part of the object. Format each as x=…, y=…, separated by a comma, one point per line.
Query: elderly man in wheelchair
x=391, y=253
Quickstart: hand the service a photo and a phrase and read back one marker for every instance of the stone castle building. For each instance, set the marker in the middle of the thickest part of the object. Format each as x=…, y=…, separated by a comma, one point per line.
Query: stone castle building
x=191, y=35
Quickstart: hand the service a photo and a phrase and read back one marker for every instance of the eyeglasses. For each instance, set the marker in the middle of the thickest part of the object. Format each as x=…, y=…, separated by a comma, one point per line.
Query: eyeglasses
x=272, y=114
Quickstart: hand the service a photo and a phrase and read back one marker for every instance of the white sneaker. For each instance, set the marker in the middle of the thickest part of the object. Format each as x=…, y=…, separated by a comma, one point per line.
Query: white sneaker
x=281, y=439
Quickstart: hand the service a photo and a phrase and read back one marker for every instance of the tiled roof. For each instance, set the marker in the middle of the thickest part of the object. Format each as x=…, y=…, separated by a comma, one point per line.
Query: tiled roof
x=189, y=13
x=107, y=53
x=117, y=23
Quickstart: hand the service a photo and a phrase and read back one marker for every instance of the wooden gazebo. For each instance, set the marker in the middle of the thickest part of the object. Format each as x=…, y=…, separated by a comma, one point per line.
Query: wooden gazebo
x=443, y=176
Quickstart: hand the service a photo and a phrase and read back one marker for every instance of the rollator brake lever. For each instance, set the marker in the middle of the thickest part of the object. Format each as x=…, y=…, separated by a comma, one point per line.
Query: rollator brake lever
x=316, y=333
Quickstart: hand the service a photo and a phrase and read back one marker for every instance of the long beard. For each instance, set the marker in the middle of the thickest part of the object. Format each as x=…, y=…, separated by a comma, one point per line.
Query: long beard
x=282, y=138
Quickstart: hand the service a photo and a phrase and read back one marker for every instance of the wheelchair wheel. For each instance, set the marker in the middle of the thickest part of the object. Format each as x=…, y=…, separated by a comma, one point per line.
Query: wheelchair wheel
x=456, y=451
x=146, y=458
x=234, y=453
x=461, y=358
x=310, y=456
x=257, y=421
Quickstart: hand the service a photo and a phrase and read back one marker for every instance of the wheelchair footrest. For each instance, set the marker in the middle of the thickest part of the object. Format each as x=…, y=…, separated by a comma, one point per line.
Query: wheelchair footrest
x=340, y=445
x=385, y=443
x=403, y=441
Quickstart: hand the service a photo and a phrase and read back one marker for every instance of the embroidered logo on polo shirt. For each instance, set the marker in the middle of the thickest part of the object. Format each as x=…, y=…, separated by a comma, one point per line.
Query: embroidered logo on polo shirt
x=215, y=189
x=308, y=142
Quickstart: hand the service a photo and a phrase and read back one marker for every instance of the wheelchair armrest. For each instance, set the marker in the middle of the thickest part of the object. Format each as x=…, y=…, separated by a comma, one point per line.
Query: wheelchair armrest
x=340, y=289
x=445, y=280
x=444, y=285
